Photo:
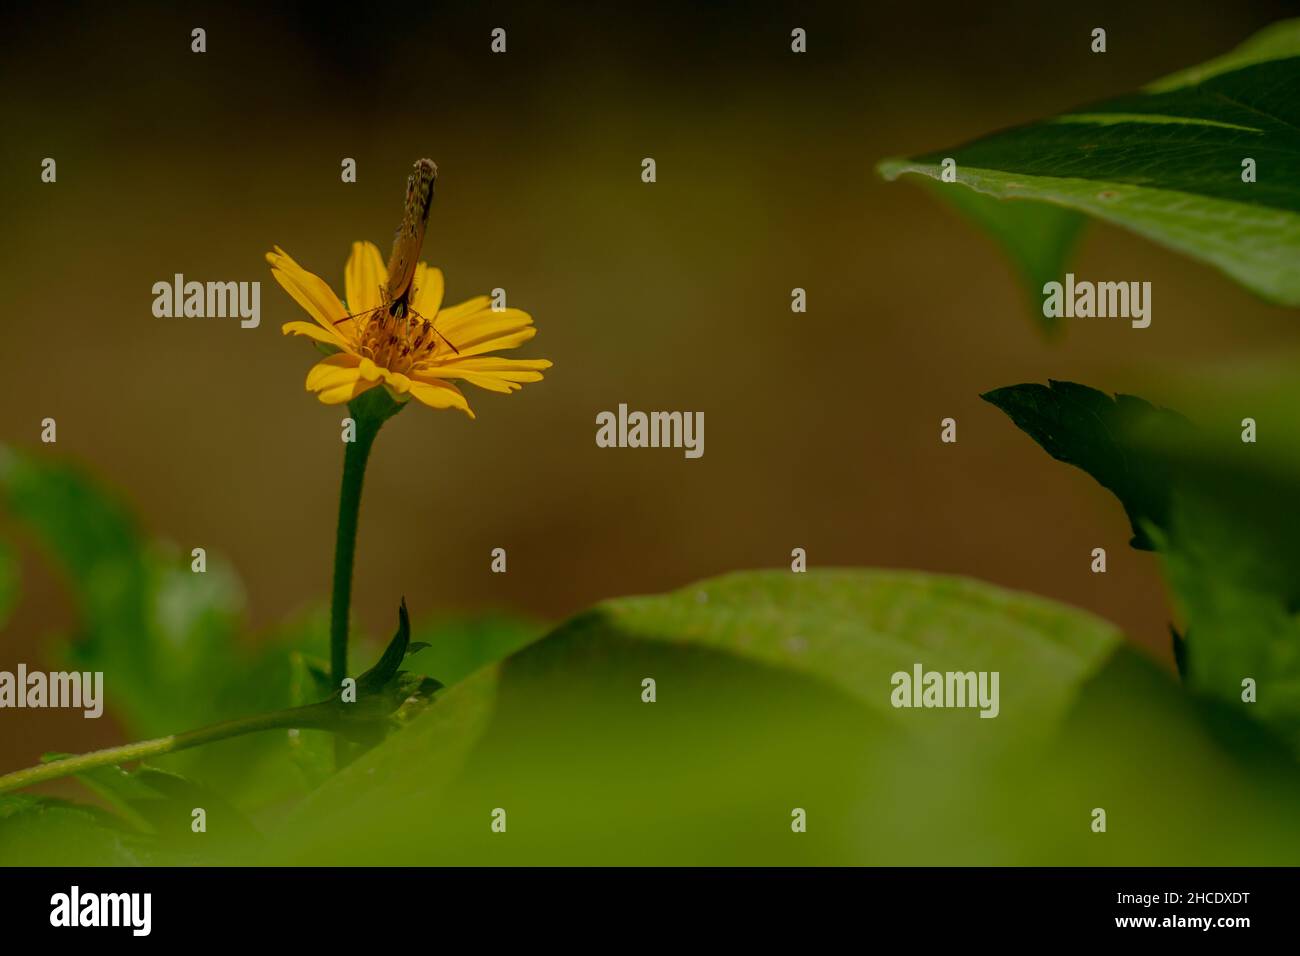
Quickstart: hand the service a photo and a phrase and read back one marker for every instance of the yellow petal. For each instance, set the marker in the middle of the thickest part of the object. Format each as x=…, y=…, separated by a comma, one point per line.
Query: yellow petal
x=398, y=384
x=498, y=364
x=471, y=333
x=440, y=395
x=491, y=383
x=331, y=372
x=315, y=332
x=510, y=341
x=309, y=291
x=364, y=278
x=472, y=322
x=493, y=374
x=455, y=313
x=428, y=291
x=338, y=394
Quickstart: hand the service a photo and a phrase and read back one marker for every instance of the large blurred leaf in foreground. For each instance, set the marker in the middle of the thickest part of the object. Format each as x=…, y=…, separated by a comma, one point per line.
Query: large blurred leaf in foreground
x=1165, y=163
x=773, y=692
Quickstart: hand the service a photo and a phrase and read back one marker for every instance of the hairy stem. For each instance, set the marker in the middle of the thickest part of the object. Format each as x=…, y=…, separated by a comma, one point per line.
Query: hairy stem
x=312, y=715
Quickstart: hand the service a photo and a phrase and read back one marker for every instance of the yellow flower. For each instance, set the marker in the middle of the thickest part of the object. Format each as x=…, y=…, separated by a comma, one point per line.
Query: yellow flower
x=416, y=354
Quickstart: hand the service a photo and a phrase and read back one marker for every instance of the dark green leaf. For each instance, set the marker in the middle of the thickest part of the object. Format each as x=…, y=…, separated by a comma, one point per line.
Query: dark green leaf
x=1222, y=515
x=373, y=680
x=1179, y=645
x=1165, y=163
x=1105, y=436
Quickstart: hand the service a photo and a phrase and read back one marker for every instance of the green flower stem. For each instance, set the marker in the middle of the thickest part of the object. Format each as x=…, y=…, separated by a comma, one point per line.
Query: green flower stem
x=311, y=715
x=369, y=411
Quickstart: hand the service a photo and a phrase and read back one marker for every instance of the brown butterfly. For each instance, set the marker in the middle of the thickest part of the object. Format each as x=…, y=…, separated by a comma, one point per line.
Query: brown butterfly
x=407, y=244
x=410, y=234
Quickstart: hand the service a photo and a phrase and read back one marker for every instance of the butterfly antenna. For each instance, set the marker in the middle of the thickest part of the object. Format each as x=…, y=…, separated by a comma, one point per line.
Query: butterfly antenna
x=437, y=333
x=355, y=315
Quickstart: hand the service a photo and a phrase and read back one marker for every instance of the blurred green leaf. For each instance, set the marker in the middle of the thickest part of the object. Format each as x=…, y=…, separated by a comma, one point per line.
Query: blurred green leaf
x=1231, y=552
x=1183, y=782
x=161, y=803
x=312, y=751
x=1039, y=237
x=1165, y=163
x=143, y=617
x=170, y=639
x=766, y=682
x=1240, y=625
x=38, y=831
x=120, y=789
x=167, y=636
x=452, y=648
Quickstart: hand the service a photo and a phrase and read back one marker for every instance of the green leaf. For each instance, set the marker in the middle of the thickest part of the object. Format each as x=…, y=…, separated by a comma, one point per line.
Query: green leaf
x=1230, y=552
x=312, y=751
x=1105, y=437
x=1164, y=163
x=753, y=670
x=1241, y=622
x=1222, y=515
x=1162, y=764
x=1039, y=237
x=453, y=648
x=38, y=831
x=160, y=803
x=168, y=637
x=853, y=629
x=374, y=680
x=119, y=788
x=1279, y=41
x=160, y=630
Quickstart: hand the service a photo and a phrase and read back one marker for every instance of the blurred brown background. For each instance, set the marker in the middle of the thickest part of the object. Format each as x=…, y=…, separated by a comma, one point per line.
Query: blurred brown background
x=821, y=429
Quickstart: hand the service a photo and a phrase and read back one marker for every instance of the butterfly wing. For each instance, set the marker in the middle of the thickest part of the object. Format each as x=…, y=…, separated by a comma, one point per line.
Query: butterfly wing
x=410, y=234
